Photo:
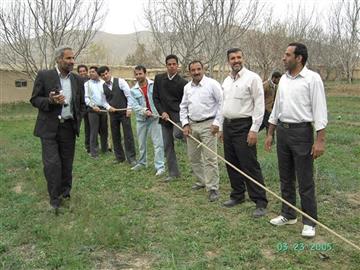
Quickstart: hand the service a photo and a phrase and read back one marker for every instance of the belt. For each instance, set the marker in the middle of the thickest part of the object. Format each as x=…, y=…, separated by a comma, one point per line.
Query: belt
x=294, y=125
x=200, y=121
x=237, y=120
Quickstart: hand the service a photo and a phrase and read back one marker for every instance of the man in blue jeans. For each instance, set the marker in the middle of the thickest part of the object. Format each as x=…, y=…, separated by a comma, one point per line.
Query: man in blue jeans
x=146, y=120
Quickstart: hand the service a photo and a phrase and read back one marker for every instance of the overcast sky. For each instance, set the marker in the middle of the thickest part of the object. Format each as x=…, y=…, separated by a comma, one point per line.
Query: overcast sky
x=127, y=16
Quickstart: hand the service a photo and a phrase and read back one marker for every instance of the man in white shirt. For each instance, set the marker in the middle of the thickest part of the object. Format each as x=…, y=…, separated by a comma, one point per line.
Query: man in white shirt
x=200, y=116
x=117, y=94
x=95, y=99
x=300, y=101
x=243, y=111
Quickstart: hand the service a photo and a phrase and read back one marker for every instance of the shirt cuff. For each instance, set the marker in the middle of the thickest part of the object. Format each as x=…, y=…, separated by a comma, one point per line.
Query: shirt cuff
x=184, y=122
x=216, y=123
x=255, y=128
x=320, y=125
x=107, y=106
x=273, y=121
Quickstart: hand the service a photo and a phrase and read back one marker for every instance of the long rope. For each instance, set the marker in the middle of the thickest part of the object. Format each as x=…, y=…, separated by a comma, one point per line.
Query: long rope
x=116, y=110
x=269, y=191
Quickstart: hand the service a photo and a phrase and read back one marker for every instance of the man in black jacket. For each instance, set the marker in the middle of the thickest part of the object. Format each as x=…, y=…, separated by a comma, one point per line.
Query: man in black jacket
x=167, y=95
x=83, y=72
x=59, y=96
x=117, y=92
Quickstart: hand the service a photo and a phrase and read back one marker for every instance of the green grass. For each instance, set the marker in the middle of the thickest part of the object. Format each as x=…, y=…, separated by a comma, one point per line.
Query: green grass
x=119, y=219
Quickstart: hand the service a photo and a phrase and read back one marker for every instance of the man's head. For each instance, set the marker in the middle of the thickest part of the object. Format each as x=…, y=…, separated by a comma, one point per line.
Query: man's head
x=172, y=63
x=82, y=71
x=236, y=59
x=64, y=57
x=275, y=77
x=295, y=56
x=104, y=73
x=93, y=73
x=140, y=73
x=196, y=69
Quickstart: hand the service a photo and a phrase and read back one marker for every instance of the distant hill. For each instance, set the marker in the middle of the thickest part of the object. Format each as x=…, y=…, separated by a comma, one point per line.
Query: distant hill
x=113, y=48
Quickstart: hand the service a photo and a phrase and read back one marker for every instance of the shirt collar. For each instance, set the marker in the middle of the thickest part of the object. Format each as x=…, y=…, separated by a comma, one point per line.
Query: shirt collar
x=201, y=83
x=60, y=75
x=97, y=81
x=148, y=83
x=171, y=77
x=111, y=80
x=238, y=75
x=272, y=84
x=302, y=73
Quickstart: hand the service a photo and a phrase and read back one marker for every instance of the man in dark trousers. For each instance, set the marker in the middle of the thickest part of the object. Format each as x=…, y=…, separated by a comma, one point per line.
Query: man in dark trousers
x=84, y=74
x=59, y=96
x=117, y=93
x=243, y=111
x=168, y=93
x=98, y=106
x=300, y=107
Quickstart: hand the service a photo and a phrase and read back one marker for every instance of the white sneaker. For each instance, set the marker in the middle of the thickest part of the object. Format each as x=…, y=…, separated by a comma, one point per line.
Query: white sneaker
x=160, y=172
x=280, y=220
x=137, y=167
x=308, y=231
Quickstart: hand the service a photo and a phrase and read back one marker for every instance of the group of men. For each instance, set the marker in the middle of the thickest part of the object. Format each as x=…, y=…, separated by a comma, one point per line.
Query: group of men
x=234, y=112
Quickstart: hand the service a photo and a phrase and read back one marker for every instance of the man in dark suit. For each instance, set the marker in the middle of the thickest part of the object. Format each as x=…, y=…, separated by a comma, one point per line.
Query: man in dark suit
x=59, y=96
x=167, y=96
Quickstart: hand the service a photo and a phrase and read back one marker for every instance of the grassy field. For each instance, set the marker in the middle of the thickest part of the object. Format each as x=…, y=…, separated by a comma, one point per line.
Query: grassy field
x=119, y=219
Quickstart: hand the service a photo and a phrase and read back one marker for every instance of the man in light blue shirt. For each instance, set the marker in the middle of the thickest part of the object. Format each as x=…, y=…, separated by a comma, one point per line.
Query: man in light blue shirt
x=147, y=121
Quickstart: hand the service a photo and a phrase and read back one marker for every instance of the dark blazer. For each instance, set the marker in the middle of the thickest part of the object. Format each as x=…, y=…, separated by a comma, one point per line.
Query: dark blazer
x=47, y=120
x=168, y=94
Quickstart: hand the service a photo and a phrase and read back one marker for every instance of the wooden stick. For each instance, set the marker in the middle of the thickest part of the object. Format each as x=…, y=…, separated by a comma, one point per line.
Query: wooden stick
x=118, y=110
x=271, y=192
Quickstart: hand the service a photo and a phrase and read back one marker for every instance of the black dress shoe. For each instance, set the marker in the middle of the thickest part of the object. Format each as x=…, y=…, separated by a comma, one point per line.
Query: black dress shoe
x=171, y=179
x=232, y=202
x=55, y=209
x=132, y=163
x=259, y=212
x=197, y=187
x=117, y=161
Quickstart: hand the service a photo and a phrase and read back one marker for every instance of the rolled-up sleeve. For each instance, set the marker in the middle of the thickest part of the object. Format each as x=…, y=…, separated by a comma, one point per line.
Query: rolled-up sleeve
x=274, y=116
x=257, y=92
x=87, y=95
x=218, y=95
x=184, y=108
x=125, y=87
x=318, y=103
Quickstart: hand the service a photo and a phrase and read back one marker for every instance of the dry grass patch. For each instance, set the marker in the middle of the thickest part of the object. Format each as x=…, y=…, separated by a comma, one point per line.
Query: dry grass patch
x=114, y=260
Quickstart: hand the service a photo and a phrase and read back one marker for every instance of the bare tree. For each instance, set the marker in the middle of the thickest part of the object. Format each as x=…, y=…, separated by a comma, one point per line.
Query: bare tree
x=94, y=53
x=266, y=43
x=345, y=32
x=143, y=56
x=30, y=30
x=199, y=29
